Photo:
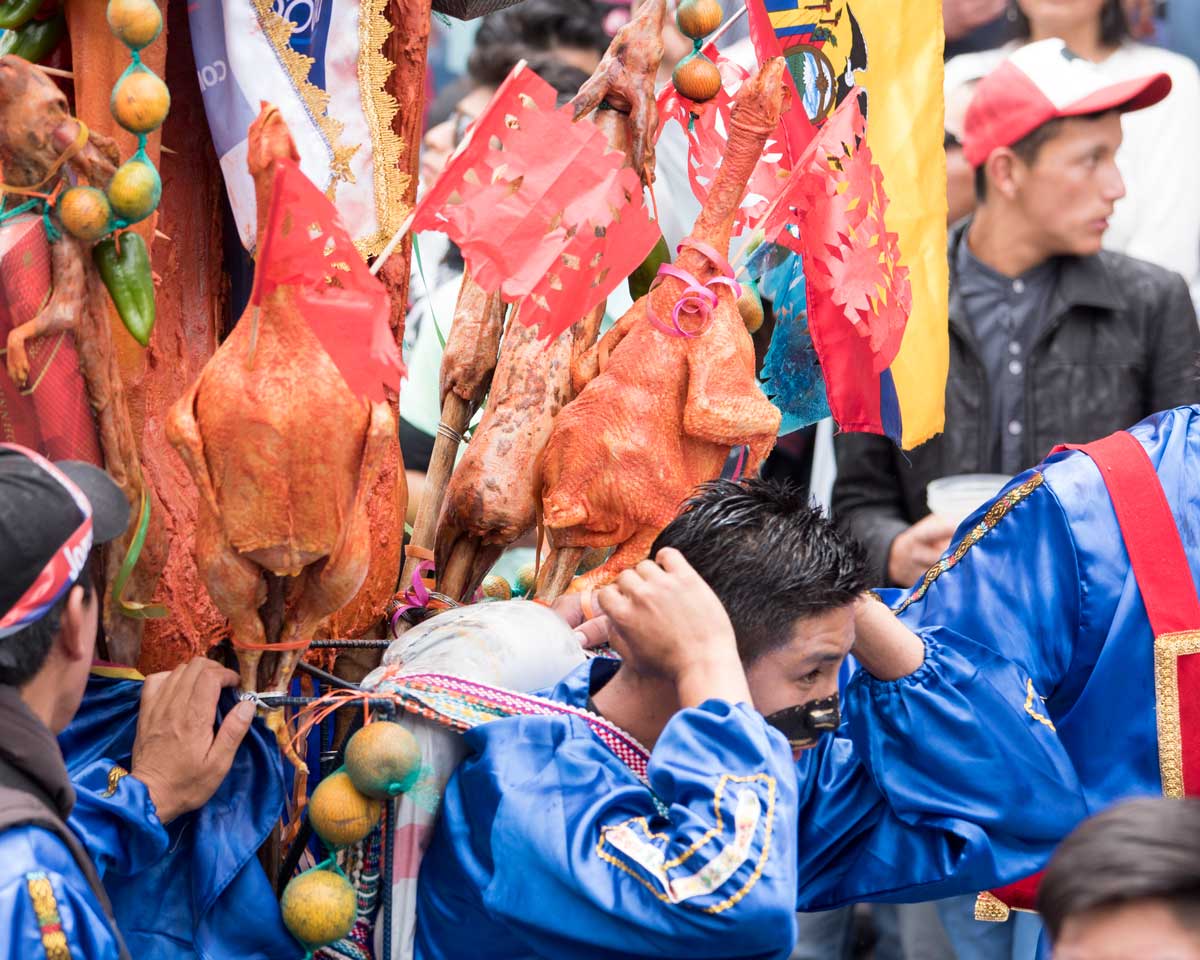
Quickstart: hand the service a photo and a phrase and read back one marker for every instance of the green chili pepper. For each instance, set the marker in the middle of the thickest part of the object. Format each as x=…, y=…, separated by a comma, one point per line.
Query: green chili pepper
x=125, y=270
x=36, y=39
x=17, y=13
x=641, y=278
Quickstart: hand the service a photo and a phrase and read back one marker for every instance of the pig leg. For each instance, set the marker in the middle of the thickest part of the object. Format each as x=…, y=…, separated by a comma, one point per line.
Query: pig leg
x=59, y=314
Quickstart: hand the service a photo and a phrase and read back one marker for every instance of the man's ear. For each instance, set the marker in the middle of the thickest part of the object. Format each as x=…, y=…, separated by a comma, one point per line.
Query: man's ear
x=1003, y=169
x=76, y=635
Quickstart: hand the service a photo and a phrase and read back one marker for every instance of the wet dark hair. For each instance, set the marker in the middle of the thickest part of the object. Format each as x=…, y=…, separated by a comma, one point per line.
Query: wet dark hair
x=1030, y=145
x=25, y=651
x=1114, y=25
x=1144, y=849
x=769, y=556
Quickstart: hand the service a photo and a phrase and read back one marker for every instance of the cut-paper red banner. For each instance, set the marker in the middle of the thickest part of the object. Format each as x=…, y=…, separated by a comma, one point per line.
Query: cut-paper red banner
x=544, y=211
x=707, y=127
x=307, y=249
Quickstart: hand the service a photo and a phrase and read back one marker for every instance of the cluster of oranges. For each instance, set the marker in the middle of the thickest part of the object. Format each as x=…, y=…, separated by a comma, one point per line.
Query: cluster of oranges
x=696, y=77
x=382, y=760
x=139, y=103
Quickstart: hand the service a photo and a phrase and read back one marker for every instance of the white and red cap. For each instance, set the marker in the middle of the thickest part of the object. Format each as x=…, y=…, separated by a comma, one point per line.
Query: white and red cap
x=1044, y=81
x=50, y=516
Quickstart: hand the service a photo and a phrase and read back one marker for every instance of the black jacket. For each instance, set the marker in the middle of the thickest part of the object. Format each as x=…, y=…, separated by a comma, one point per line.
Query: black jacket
x=1121, y=343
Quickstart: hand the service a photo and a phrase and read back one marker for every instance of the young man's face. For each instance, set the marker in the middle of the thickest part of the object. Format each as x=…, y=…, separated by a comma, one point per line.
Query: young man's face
x=806, y=668
x=1146, y=929
x=1068, y=193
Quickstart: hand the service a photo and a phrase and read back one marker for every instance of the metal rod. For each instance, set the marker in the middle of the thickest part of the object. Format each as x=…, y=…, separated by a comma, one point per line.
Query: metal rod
x=349, y=644
x=271, y=701
x=326, y=677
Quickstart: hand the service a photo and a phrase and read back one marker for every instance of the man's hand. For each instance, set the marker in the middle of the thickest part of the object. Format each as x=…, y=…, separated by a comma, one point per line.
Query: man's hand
x=667, y=623
x=917, y=549
x=960, y=17
x=176, y=753
x=884, y=646
x=592, y=632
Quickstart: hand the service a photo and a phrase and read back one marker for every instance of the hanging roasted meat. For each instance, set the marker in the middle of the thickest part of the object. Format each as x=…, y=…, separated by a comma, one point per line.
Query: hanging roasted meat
x=285, y=456
x=659, y=412
x=624, y=80
x=492, y=498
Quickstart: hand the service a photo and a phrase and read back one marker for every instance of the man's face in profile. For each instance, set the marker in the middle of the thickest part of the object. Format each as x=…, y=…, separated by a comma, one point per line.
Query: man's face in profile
x=1143, y=929
x=806, y=668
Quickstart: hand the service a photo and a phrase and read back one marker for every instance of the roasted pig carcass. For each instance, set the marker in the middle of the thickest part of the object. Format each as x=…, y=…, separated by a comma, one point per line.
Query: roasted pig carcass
x=468, y=363
x=285, y=456
x=659, y=413
x=492, y=499
x=624, y=80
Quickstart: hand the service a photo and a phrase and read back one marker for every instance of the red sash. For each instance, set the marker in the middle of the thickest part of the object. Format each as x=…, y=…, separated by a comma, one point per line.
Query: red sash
x=1161, y=569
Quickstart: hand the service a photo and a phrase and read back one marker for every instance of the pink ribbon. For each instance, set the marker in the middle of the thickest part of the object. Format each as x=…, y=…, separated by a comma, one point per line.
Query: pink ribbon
x=415, y=597
x=699, y=299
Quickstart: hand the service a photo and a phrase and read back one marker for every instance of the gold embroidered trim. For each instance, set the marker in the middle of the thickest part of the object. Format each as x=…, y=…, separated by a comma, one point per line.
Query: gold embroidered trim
x=45, y=908
x=380, y=109
x=715, y=831
x=999, y=510
x=1030, y=695
x=278, y=32
x=115, y=775
x=1167, y=650
x=990, y=908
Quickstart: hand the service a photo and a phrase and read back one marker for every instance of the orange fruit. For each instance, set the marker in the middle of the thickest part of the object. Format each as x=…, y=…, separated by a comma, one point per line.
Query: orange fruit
x=496, y=588
x=319, y=907
x=135, y=22
x=697, y=78
x=135, y=190
x=750, y=307
x=698, y=18
x=339, y=813
x=84, y=212
x=140, y=101
x=382, y=759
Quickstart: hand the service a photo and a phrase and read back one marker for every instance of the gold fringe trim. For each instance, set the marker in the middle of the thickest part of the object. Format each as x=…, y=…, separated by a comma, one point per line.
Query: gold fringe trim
x=997, y=512
x=380, y=109
x=1167, y=650
x=990, y=908
x=278, y=32
x=1030, y=695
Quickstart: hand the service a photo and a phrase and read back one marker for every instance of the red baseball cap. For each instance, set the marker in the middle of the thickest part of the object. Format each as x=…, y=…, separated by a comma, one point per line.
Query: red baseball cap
x=1044, y=81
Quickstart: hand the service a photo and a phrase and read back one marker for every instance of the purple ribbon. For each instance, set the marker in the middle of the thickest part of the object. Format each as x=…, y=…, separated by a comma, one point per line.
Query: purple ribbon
x=699, y=299
x=415, y=597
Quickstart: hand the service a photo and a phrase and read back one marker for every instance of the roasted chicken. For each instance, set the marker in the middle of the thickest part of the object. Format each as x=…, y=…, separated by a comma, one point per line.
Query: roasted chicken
x=659, y=413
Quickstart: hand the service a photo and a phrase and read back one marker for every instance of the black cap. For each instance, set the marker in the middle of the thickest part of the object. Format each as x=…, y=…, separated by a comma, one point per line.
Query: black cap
x=40, y=513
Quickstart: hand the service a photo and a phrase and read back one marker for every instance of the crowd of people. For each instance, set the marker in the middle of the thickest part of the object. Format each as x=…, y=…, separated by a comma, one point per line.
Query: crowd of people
x=1001, y=683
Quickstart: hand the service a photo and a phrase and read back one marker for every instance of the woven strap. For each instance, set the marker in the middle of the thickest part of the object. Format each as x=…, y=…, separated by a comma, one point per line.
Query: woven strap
x=1156, y=554
x=1160, y=567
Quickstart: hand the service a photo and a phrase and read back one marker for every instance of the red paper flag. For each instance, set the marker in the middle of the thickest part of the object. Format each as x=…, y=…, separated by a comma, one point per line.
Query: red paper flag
x=707, y=125
x=307, y=249
x=542, y=209
x=831, y=212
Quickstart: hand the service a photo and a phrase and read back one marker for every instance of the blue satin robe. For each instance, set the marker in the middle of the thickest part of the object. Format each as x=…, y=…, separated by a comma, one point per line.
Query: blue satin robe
x=121, y=833
x=194, y=889
x=1049, y=587
x=519, y=865
x=514, y=862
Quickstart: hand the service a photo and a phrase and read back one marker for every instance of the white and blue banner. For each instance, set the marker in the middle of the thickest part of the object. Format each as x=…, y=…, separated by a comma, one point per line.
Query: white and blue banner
x=321, y=63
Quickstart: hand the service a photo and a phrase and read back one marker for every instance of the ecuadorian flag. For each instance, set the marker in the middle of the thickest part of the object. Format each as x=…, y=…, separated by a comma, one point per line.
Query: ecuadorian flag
x=893, y=50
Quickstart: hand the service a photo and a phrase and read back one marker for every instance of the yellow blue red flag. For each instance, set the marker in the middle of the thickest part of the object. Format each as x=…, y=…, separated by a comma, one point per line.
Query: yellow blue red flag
x=892, y=49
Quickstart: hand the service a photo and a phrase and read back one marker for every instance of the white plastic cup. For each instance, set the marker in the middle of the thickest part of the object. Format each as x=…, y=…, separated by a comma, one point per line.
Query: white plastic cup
x=957, y=497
